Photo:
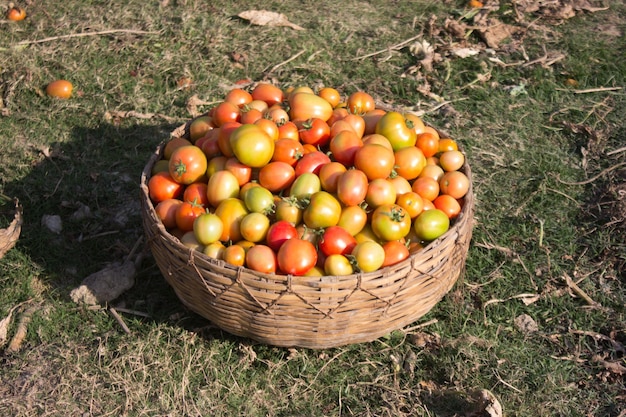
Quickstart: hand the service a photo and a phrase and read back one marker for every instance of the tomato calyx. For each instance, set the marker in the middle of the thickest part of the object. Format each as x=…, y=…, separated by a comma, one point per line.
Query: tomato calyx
x=395, y=213
x=180, y=167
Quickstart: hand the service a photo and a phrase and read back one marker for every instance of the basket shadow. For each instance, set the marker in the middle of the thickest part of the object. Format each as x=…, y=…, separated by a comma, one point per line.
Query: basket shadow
x=90, y=183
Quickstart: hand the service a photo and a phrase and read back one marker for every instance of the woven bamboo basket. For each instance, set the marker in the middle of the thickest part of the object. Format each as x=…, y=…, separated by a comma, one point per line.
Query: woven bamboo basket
x=302, y=311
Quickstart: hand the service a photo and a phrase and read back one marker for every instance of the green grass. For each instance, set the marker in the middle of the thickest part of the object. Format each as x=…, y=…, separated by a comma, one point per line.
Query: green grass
x=527, y=135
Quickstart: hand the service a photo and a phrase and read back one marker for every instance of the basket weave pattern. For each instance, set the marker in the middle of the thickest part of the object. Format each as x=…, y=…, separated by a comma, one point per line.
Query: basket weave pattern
x=310, y=312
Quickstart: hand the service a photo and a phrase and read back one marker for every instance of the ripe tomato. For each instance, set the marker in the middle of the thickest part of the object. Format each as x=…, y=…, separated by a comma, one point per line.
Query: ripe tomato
x=344, y=146
x=311, y=162
x=448, y=205
x=329, y=175
x=226, y=112
x=209, y=144
x=454, y=183
x=269, y=127
x=331, y=95
x=376, y=161
x=394, y=127
x=296, y=256
x=412, y=203
x=447, y=144
x=371, y=118
x=231, y=211
x=250, y=115
x=288, y=130
x=235, y=255
x=353, y=219
x=433, y=171
x=242, y=172
x=313, y=131
x=278, y=233
x=336, y=240
x=276, y=176
x=377, y=139
x=223, y=137
x=268, y=93
x=277, y=115
x=395, y=251
x=16, y=14
x=254, y=227
x=288, y=150
x=337, y=265
x=415, y=122
x=166, y=212
x=368, y=255
x=221, y=186
x=339, y=126
x=199, y=127
x=391, y=222
x=305, y=185
x=161, y=186
x=262, y=259
x=217, y=163
x=259, y=200
x=304, y=106
x=431, y=224
x=186, y=214
x=426, y=187
x=196, y=193
x=172, y=145
x=451, y=160
x=208, y=228
x=401, y=184
x=352, y=187
x=188, y=164
x=356, y=122
x=428, y=143
x=380, y=191
x=288, y=209
x=409, y=162
x=323, y=211
x=59, y=88
x=251, y=145
x=338, y=114
x=238, y=97
x=360, y=102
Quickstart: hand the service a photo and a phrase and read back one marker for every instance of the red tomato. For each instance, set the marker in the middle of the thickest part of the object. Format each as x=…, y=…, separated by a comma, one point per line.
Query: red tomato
x=188, y=164
x=268, y=93
x=356, y=122
x=338, y=240
x=252, y=146
x=313, y=131
x=311, y=162
x=344, y=147
x=199, y=127
x=352, y=187
x=394, y=127
x=166, y=212
x=59, y=88
x=238, y=97
x=414, y=122
x=323, y=211
x=304, y=106
x=395, y=251
x=391, y=222
x=411, y=202
x=250, y=115
x=375, y=161
x=242, y=172
x=223, y=137
x=172, y=145
x=288, y=150
x=448, y=205
x=288, y=130
x=197, y=193
x=278, y=233
x=329, y=175
x=226, y=112
x=296, y=256
x=162, y=186
x=428, y=143
x=360, y=102
x=409, y=162
x=371, y=118
x=380, y=191
x=276, y=176
x=186, y=214
x=454, y=183
x=209, y=144
x=262, y=259
x=277, y=115
x=231, y=211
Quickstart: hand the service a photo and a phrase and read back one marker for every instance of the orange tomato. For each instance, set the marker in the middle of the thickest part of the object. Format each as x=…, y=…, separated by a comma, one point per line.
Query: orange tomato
x=448, y=205
x=455, y=184
x=451, y=160
x=331, y=95
x=426, y=187
x=59, y=89
x=428, y=143
x=447, y=144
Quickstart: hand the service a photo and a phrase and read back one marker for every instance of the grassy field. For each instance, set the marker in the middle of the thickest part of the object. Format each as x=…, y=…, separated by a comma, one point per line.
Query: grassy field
x=534, y=91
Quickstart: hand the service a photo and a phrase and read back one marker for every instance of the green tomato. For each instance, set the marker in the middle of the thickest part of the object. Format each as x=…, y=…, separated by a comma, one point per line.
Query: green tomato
x=394, y=127
x=368, y=255
x=323, y=211
x=208, y=228
x=431, y=224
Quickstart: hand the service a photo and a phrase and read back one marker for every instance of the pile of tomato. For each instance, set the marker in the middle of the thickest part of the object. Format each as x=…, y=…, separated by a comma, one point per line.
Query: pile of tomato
x=307, y=183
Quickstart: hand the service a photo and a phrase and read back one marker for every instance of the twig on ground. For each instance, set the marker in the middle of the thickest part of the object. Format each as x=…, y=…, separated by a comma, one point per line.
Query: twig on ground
x=109, y=115
x=613, y=152
x=570, y=283
x=22, y=328
x=592, y=179
x=119, y=319
x=419, y=326
x=280, y=64
x=83, y=34
x=591, y=90
x=389, y=48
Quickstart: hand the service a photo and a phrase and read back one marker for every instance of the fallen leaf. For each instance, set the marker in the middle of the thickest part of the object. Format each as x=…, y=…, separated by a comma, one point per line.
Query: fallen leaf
x=464, y=52
x=526, y=324
x=492, y=31
x=267, y=18
x=10, y=235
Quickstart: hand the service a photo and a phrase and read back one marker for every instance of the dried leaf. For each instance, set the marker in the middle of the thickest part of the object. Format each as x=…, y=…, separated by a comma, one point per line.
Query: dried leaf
x=267, y=18
x=526, y=324
x=4, y=326
x=105, y=285
x=464, y=52
x=493, y=31
x=488, y=404
x=10, y=235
